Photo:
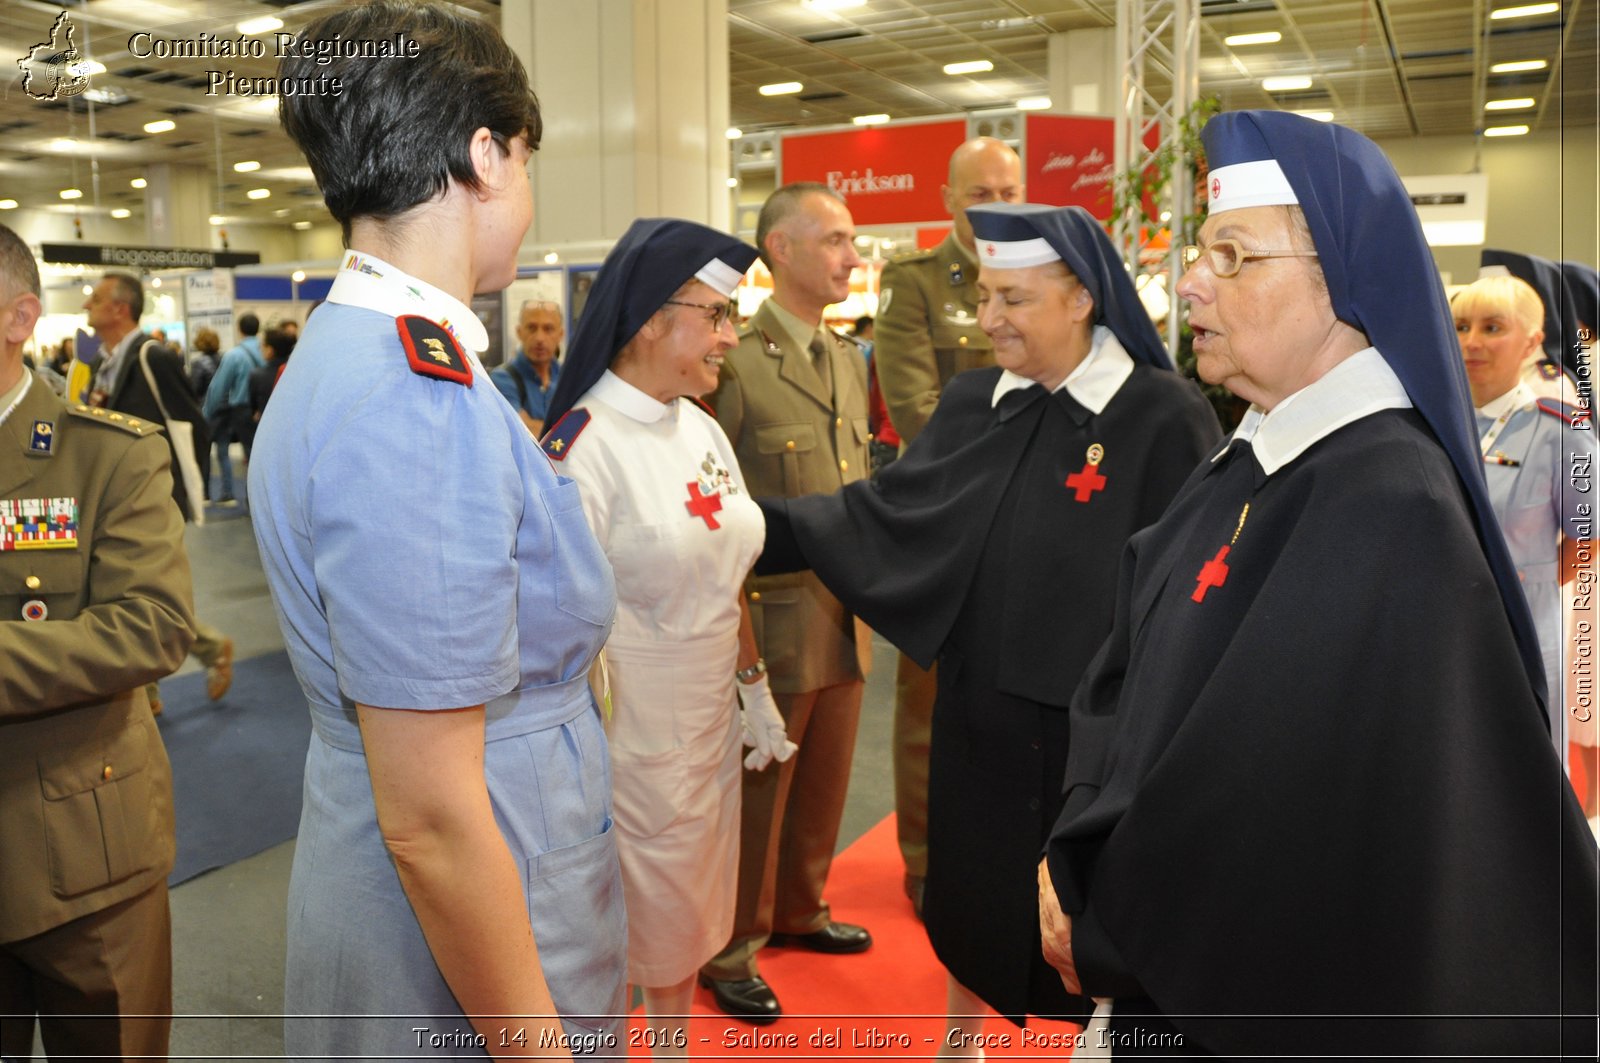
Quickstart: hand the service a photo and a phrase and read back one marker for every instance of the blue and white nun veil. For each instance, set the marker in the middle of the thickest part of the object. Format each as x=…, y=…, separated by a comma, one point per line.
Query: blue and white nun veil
x=1019, y=235
x=654, y=258
x=1381, y=279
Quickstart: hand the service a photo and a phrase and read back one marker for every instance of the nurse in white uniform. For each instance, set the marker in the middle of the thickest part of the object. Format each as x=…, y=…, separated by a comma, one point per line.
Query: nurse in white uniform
x=665, y=498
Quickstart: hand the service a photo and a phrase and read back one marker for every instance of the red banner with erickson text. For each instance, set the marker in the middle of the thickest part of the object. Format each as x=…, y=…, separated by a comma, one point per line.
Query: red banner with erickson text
x=887, y=175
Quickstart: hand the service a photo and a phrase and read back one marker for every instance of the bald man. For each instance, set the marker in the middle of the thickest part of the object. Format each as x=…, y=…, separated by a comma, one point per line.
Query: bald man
x=927, y=332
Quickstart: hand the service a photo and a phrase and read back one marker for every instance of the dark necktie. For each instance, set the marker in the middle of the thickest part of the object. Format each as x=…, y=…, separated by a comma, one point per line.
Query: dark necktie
x=819, y=361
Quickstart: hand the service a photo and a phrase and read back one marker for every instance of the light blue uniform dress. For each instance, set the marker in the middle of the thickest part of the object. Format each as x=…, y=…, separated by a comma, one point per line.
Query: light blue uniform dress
x=1539, y=464
x=423, y=554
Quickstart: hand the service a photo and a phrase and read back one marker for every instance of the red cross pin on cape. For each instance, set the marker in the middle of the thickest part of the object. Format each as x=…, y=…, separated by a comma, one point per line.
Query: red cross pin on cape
x=1086, y=481
x=1214, y=573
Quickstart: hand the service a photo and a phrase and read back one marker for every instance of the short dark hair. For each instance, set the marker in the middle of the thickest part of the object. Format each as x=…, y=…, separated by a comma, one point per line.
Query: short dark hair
x=781, y=205
x=249, y=324
x=18, y=271
x=863, y=323
x=399, y=130
x=281, y=342
x=129, y=292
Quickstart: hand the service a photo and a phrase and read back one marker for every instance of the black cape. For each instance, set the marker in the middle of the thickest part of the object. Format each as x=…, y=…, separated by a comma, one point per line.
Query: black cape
x=1321, y=799
x=972, y=548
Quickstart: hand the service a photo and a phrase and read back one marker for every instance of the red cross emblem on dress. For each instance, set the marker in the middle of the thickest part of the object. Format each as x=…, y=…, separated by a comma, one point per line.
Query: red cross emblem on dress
x=1214, y=573
x=703, y=506
x=1086, y=481
x=1216, y=187
x=989, y=248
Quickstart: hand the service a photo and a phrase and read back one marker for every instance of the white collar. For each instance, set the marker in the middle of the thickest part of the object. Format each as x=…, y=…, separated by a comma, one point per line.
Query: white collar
x=629, y=401
x=1518, y=397
x=367, y=281
x=1093, y=383
x=1360, y=385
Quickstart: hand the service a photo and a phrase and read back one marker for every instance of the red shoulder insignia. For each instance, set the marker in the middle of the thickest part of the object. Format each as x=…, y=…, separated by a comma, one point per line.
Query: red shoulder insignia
x=432, y=351
x=1573, y=415
x=558, y=441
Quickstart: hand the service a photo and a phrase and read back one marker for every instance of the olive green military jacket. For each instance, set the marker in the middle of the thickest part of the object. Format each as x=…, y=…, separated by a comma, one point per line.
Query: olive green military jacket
x=85, y=787
x=926, y=331
x=792, y=437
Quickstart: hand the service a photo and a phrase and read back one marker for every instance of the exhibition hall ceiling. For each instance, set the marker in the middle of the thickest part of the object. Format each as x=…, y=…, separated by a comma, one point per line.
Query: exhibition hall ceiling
x=1391, y=68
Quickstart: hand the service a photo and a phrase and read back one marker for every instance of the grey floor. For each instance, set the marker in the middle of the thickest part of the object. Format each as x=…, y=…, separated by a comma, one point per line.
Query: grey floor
x=228, y=925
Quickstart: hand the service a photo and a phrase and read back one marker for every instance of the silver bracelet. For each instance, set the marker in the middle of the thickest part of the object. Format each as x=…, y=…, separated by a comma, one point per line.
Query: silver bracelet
x=751, y=674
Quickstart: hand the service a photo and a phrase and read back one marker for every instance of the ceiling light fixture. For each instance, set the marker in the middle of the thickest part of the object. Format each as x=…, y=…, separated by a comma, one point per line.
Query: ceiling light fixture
x=246, y=167
x=734, y=132
x=155, y=282
x=870, y=119
x=255, y=26
x=302, y=225
x=1505, y=131
x=259, y=193
x=972, y=66
x=298, y=276
x=216, y=219
x=1518, y=104
x=1316, y=116
x=72, y=193
x=1034, y=103
x=64, y=144
x=122, y=212
x=8, y=204
x=1519, y=66
x=164, y=125
x=834, y=5
x=1239, y=40
x=137, y=182
x=733, y=182
x=1293, y=83
x=781, y=88
x=1524, y=11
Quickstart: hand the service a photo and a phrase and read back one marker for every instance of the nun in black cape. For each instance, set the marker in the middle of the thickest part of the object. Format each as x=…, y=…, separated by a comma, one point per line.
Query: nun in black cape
x=992, y=545
x=1311, y=803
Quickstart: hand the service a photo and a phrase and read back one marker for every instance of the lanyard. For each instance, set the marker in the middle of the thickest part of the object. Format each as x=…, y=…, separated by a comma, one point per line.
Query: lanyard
x=1521, y=399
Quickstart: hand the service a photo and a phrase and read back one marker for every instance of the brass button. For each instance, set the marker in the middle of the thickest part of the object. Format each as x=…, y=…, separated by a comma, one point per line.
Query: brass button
x=789, y=445
x=755, y=596
x=838, y=422
x=962, y=341
x=844, y=466
x=32, y=583
x=105, y=773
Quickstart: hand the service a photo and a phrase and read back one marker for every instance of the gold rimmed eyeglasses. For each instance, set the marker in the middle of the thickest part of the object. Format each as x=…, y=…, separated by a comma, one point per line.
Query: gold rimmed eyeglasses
x=1225, y=257
x=720, y=312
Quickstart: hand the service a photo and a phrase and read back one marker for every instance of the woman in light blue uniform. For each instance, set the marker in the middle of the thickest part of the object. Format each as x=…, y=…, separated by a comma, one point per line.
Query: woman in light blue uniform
x=1538, y=456
x=440, y=594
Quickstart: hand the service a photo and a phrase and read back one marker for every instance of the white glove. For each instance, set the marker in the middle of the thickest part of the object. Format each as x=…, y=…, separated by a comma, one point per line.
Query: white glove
x=762, y=725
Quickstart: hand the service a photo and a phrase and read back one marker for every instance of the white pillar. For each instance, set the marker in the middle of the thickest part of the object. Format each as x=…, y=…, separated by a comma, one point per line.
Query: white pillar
x=1083, y=71
x=634, y=96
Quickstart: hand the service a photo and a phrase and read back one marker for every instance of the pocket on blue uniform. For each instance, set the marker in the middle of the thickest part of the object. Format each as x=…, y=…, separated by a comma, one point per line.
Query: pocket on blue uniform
x=575, y=908
x=582, y=577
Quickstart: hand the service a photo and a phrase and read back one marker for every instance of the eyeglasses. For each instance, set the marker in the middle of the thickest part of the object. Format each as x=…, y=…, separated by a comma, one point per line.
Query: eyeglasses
x=1225, y=257
x=720, y=312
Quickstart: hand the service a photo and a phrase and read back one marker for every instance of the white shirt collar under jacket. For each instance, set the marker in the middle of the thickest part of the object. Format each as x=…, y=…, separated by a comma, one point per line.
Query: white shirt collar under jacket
x=1518, y=397
x=367, y=281
x=626, y=399
x=1098, y=377
x=1360, y=385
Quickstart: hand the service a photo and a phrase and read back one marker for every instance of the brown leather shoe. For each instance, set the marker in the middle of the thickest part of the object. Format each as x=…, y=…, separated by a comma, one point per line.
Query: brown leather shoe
x=834, y=938
x=219, y=673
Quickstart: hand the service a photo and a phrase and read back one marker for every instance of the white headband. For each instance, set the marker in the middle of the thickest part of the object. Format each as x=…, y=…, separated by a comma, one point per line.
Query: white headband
x=1250, y=184
x=1016, y=254
x=719, y=275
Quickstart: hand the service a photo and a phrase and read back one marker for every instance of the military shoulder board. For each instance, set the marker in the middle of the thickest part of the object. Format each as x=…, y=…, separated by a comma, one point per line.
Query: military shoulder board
x=1570, y=414
x=432, y=351
x=559, y=440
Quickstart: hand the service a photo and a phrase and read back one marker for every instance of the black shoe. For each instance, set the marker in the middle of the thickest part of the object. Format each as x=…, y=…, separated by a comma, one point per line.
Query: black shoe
x=915, y=884
x=834, y=938
x=750, y=999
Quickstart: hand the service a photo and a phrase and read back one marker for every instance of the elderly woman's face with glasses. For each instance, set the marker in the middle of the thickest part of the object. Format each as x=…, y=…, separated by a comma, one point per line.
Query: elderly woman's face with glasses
x=1259, y=314
x=693, y=342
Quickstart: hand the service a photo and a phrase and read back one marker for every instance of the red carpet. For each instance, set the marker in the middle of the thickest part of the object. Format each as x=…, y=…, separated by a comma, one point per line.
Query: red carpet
x=887, y=1001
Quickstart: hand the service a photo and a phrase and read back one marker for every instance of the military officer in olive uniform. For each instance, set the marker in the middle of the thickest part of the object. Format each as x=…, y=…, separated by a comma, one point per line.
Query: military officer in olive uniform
x=793, y=401
x=927, y=332
x=94, y=603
